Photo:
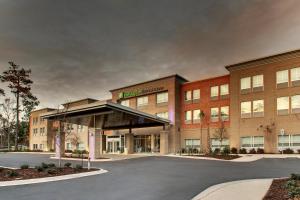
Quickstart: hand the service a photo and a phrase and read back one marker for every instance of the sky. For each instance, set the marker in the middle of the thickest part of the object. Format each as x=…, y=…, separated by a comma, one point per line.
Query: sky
x=78, y=49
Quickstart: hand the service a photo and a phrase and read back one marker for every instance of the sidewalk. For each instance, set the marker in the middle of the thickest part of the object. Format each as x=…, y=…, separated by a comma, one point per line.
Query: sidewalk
x=254, y=189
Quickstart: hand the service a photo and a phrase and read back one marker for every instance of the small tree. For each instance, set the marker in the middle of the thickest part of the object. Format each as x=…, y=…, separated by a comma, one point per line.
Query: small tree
x=267, y=128
x=202, y=117
x=2, y=92
x=19, y=82
x=221, y=133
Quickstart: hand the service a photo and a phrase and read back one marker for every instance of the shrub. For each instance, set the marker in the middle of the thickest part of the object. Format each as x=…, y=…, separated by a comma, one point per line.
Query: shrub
x=295, y=177
x=39, y=168
x=216, y=151
x=288, y=151
x=84, y=152
x=12, y=173
x=68, y=151
x=24, y=166
x=195, y=151
x=234, y=150
x=78, y=167
x=68, y=164
x=226, y=151
x=252, y=151
x=52, y=171
x=293, y=189
x=243, y=151
x=44, y=165
x=260, y=151
x=298, y=150
x=51, y=165
x=51, y=150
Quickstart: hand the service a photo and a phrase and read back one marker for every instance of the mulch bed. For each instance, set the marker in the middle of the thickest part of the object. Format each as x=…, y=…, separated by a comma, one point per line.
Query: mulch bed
x=79, y=156
x=33, y=173
x=223, y=157
x=277, y=191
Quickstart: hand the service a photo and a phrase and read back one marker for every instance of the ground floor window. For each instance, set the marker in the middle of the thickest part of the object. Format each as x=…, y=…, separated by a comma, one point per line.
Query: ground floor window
x=80, y=146
x=35, y=146
x=216, y=143
x=41, y=146
x=289, y=141
x=69, y=146
x=192, y=145
x=252, y=142
x=142, y=143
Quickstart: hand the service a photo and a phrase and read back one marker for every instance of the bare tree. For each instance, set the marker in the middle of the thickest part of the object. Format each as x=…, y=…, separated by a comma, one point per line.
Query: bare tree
x=202, y=117
x=8, y=118
x=221, y=133
x=267, y=128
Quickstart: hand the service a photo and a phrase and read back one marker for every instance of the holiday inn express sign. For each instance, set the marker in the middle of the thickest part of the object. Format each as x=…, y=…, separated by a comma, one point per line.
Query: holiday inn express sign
x=139, y=92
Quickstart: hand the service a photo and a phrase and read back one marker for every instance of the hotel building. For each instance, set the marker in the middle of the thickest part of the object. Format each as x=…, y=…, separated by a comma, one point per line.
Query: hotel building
x=255, y=105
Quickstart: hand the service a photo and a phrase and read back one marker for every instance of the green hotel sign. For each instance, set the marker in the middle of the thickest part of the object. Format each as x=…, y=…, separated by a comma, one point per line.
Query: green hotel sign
x=139, y=92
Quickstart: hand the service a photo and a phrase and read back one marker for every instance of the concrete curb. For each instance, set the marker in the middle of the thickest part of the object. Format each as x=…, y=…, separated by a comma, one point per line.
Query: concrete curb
x=79, y=159
x=217, y=189
x=41, y=153
x=203, y=158
x=51, y=179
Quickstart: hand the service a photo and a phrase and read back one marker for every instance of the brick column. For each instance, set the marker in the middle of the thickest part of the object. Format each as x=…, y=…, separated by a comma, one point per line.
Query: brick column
x=129, y=143
x=95, y=143
x=164, y=140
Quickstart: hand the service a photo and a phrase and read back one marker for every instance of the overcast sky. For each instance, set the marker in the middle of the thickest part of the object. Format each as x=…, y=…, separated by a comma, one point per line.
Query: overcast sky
x=79, y=49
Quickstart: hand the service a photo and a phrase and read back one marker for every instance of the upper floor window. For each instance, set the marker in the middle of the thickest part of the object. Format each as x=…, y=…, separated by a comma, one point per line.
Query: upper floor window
x=35, y=131
x=224, y=90
x=125, y=103
x=162, y=97
x=258, y=108
x=282, y=78
x=283, y=105
x=245, y=85
x=196, y=116
x=164, y=115
x=295, y=76
x=246, y=109
x=142, y=101
x=258, y=83
x=214, y=114
x=214, y=92
x=188, y=116
x=225, y=113
x=196, y=94
x=295, y=104
x=188, y=95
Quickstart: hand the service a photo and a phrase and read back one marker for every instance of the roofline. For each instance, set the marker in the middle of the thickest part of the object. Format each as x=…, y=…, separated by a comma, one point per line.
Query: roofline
x=206, y=79
x=80, y=100
x=268, y=59
x=157, y=79
x=111, y=105
x=52, y=109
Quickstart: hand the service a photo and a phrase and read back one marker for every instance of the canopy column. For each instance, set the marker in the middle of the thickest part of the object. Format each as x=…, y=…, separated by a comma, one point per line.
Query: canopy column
x=164, y=138
x=96, y=143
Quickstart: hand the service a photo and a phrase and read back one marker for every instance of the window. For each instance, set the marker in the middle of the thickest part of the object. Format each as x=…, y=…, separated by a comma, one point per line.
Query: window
x=196, y=94
x=216, y=143
x=252, y=142
x=295, y=140
x=214, y=92
x=80, y=146
x=224, y=91
x=79, y=128
x=214, y=114
x=258, y=108
x=188, y=116
x=188, y=95
x=283, y=105
x=41, y=120
x=35, y=146
x=162, y=97
x=289, y=141
x=283, y=141
x=41, y=146
x=35, y=131
x=125, y=103
x=246, y=109
x=142, y=101
x=295, y=76
x=69, y=146
x=282, y=78
x=196, y=116
x=245, y=85
x=192, y=144
x=225, y=113
x=295, y=104
x=164, y=115
x=258, y=83
x=42, y=131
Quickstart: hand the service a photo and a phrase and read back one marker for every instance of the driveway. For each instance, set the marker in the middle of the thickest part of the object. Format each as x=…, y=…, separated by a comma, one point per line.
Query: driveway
x=144, y=178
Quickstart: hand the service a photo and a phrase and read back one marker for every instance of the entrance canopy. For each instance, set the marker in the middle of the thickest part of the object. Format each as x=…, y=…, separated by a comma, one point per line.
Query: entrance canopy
x=106, y=115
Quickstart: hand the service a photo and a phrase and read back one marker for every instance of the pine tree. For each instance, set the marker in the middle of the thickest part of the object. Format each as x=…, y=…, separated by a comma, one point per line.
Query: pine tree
x=19, y=82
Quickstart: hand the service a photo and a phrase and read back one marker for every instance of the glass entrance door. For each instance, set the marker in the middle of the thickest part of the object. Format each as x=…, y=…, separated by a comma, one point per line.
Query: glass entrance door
x=113, y=146
x=142, y=143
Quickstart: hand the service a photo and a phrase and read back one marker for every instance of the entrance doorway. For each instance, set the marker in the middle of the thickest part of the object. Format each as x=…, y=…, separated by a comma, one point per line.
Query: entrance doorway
x=142, y=143
x=113, y=144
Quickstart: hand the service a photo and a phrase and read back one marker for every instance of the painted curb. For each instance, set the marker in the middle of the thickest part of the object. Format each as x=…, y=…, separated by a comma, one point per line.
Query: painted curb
x=79, y=159
x=51, y=179
x=217, y=187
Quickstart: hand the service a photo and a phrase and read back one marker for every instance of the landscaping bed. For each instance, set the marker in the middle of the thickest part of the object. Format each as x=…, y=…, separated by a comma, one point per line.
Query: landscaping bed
x=41, y=171
x=220, y=156
x=284, y=189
